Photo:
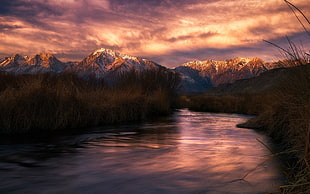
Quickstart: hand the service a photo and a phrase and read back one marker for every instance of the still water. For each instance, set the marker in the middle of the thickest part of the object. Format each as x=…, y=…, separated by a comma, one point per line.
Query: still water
x=189, y=152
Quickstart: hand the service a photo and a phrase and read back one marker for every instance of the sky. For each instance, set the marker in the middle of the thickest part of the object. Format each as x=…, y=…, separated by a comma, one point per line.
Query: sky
x=169, y=32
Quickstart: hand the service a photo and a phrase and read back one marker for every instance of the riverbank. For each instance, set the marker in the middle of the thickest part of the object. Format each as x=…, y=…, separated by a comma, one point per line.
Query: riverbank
x=178, y=153
x=283, y=113
x=45, y=103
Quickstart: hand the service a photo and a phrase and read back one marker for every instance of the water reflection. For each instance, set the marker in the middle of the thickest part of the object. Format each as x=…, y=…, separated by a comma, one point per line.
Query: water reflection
x=187, y=153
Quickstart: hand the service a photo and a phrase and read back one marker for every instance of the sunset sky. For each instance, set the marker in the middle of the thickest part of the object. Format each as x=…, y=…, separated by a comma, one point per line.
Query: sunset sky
x=170, y=32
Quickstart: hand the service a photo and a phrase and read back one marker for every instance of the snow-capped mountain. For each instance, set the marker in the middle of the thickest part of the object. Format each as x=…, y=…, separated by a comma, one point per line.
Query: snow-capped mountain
x=101, y=63
x=196, y=76
x=104, y=63
x=12, y=61
x=40, y=63
x=264, y=83
x=214, y=73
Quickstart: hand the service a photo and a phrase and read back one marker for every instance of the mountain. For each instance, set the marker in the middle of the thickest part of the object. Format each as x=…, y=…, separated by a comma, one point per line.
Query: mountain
x=102, y=63
x=269, y=81
x=106, y=63
x=40, y=63
x=211, y=73
x=197, y=76
x=12, y=62
x=192, y=81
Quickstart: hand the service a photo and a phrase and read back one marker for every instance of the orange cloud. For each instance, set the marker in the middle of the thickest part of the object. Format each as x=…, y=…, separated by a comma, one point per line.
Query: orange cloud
x=145, y=28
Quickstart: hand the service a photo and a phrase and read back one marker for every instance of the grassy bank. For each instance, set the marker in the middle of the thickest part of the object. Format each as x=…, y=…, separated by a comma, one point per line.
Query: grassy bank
x=287, y=121
x=45, y=102
x=282, y=113
x=245, y=103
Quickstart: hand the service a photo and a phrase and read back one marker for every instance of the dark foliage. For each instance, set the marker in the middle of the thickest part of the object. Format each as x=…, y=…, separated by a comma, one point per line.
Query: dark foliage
x=48, y=102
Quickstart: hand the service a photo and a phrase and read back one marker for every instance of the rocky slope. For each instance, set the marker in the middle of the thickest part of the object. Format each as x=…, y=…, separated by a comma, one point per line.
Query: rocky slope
x=40, y=63
x=211, y=73
x=106, y=63
x=192, y=81
x=266, y=82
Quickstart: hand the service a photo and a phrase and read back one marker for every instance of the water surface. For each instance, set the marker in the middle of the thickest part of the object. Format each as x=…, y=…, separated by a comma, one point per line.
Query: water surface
x=189, y=152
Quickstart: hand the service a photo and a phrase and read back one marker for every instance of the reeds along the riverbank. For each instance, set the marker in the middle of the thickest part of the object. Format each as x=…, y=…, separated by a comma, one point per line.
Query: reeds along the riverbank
x=245, y=103
x=48, y=102
x=287, y=120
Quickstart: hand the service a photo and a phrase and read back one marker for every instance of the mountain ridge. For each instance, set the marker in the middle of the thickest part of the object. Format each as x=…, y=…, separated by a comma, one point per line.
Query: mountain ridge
x=266, y=82
x=220, y=72
x=103, y=62
x=107, y=64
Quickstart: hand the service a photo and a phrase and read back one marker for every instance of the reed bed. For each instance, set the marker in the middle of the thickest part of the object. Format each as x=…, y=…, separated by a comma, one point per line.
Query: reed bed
x=46, y=103
x=244, y=103
x=287, y=121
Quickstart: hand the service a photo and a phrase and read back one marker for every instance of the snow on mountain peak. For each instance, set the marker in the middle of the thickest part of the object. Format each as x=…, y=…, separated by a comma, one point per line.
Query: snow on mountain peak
x=105, y=62
x=46, y=56
x=106, y=51
x=243, y=59
x=101, y=50
x=237, y=62
x=39, y=63
x=113, y=54
x=13, y=60
x=43, y=59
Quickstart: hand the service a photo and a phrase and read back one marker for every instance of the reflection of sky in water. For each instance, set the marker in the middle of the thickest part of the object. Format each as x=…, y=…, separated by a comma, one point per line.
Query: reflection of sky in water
x=190, y=153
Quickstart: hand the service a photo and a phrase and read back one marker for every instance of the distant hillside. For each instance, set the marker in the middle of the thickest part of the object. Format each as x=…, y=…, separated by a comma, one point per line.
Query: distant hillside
x=201, y=75
x=192, y=81
x=266, y=82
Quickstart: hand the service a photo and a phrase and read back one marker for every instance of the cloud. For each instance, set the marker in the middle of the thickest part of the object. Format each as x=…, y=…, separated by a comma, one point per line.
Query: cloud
x=6, y=27
x=191, y=36
x=169, y=31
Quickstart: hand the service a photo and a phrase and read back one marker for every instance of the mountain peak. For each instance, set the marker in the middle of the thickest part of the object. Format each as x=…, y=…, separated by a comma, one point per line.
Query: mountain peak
x=39, y=63
x=112, y=53
x=43, y=59
x=105, y=50
x=46, y=56
x=242, y=59
x=228, y=71
x=105, y=62
x=13, y=60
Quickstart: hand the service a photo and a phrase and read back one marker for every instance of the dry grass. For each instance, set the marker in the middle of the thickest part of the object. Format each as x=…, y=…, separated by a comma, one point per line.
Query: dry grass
x=245, y=103
x=287, y=120
x=46, y=103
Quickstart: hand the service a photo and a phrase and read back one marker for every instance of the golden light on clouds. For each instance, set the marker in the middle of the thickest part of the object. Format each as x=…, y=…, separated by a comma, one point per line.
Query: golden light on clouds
x=163, y=30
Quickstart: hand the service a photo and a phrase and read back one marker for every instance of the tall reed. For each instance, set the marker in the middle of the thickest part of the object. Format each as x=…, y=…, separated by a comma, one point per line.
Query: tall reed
x=287, y=121
x=46, y=103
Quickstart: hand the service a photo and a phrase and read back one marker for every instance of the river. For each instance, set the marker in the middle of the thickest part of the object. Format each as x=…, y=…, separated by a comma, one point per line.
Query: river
x=188, y=152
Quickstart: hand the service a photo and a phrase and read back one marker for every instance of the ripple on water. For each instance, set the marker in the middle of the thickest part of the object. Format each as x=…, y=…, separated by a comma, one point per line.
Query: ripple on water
x=190, y=152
